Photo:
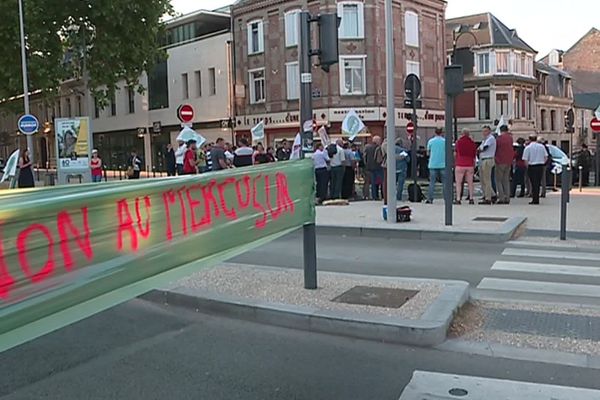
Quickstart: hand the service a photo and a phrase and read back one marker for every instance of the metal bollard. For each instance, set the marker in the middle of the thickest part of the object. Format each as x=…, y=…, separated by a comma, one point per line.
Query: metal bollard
x=580, y=178
x=154, y=172
x=105, y=174
x=120, y=173
x=564, y=199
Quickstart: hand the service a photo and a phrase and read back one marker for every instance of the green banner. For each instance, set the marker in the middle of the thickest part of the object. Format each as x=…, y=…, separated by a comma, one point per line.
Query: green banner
x=66, y=247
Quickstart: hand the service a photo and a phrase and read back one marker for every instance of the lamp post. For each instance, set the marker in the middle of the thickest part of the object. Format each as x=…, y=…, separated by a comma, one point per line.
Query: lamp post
x=457, y=33
x=25, y=80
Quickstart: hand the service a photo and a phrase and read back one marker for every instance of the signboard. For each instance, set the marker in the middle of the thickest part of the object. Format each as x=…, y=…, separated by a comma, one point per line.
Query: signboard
x=410, y=128
x=185, y=113
x=28, y=124
x=595, y=124
x=72, y=143
x=156, y=127
x=68, y=252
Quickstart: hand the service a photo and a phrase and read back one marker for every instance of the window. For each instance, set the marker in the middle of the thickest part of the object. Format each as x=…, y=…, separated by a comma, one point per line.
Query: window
x=353, y=75
x=411, y=24
x=158, y=87
x=69, y=108
x=130, y=100
x=293, y=80
x=528, y=106
x=413, y=67
x=543, y=119
x=185, y=89
x=198, y=75
x=113, y=104
x=212, y=81
x=57, y=111
x=501, y=104
x=523, y=70
x=552, y=120
x=292, y=25
x=96, y=108
x=483, y=63
x=353, y=21
x=518, y=105
x=257, y=86
x=484, y=106
x=502, y=63
x=255, y=37
x=79, y=107
x=529, y=65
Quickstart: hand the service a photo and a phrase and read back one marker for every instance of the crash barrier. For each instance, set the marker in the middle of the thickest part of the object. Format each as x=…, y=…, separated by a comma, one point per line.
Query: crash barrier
x=69, y=252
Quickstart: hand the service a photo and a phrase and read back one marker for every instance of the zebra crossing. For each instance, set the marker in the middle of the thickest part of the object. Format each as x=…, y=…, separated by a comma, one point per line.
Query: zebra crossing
x=543, y=274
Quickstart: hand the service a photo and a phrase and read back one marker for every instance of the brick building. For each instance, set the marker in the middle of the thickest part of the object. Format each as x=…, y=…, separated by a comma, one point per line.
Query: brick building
x=499, y=72
x=266, y=64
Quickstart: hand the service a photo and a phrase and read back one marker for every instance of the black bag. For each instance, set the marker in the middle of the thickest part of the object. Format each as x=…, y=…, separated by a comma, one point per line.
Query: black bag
x=411, y=194
x=332, y=150
x=403, y=214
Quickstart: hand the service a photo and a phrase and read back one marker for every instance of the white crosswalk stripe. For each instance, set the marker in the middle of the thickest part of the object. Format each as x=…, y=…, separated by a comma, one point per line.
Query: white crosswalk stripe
x=561, y=276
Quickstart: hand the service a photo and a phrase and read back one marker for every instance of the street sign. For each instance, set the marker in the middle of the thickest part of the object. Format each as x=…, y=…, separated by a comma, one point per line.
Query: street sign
x=28, y=124
x=185, y=113
x=412, y=81
x=410, y=128
x=157, y=127
x=595, y=124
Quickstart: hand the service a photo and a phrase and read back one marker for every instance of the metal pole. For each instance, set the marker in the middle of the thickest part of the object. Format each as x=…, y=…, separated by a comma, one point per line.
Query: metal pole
x=448, y=192
x=391, y=111
x=597, y=158
x=306, y=114
x=564, y=198
x=25, y=80
x=415, y=138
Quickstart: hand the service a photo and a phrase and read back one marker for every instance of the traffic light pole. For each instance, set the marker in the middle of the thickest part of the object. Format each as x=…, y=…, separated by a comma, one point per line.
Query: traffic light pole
x=413, y=151
x=25, y=80
x=306, y=115
x=391, y=115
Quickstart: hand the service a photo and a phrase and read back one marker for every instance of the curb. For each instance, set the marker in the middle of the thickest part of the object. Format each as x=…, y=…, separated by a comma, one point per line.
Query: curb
x=581, y=235
x=429, y=331
x=505, y=232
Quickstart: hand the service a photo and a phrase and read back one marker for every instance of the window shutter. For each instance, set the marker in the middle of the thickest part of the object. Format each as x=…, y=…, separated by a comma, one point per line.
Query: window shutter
x=361, y=20
x=261, y=37
x=249, y=41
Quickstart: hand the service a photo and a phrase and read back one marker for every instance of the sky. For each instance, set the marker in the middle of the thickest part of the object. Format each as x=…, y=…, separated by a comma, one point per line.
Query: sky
x=543, y=24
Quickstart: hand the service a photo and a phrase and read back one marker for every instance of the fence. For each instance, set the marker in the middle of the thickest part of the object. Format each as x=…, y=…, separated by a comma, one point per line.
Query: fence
x=68, y=252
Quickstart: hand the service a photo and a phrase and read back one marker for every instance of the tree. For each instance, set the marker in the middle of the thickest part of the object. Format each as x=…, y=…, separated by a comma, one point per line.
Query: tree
x=114, y=40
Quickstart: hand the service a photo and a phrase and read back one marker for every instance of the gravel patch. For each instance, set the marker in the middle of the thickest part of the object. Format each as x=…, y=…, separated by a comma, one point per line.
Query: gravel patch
x=285, y=286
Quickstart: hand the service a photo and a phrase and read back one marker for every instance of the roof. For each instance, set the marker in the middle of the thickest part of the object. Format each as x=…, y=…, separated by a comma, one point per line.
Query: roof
x=198, y=15
x=591, y=101
x=555, y=80
x=487, y=29
x=586, y=81
x=590, y=32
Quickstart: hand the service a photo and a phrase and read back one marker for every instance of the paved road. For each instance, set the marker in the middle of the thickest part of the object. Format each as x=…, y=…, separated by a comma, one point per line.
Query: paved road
x=142, y=351
x=496, y=271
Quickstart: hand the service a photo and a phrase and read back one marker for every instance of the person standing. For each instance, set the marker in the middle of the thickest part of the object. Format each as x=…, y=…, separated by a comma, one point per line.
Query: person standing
x=402, y=158
x=170, y=160
x=242, y=156
x=520, y=170
x=535, y=157
x=271, y=155
x=189, y=160
x=487, y=158
x=373, y=165
x=349, y=172
x=466, y=152
x=337, y=170
x=505, y=154
x=134, y=165
x=436, y=148
x=25, y=170
x=179, y=155
x=217, y=155
x=321, y=162
x=284, y=152
x=585, y=161
x=201, y=159
x=96, y=167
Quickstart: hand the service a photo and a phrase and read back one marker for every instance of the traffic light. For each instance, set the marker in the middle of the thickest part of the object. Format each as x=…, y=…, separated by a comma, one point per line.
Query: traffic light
x=328, y=40
x=569, y=120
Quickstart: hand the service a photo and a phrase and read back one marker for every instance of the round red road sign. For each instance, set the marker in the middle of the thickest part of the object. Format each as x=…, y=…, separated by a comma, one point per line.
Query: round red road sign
x=410, y=128
x=595, y=124
x=185, y=113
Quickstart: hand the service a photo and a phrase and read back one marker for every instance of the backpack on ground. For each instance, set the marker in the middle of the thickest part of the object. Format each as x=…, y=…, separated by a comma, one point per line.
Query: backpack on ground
x=332, y=150
x=411, y=194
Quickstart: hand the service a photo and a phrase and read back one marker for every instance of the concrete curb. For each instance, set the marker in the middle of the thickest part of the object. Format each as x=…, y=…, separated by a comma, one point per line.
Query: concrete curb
x=505, y=232
x=429, y=331
x=581, y=235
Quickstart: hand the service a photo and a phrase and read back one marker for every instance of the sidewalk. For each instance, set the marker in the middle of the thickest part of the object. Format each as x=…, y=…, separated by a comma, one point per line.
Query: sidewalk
x=543, y=220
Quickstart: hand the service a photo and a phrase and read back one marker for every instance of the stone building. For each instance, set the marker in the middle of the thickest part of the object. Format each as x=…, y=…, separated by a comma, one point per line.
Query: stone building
x=267, y=84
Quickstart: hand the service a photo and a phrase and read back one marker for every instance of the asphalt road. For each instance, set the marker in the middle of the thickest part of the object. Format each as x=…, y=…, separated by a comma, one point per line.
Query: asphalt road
x=142, y=351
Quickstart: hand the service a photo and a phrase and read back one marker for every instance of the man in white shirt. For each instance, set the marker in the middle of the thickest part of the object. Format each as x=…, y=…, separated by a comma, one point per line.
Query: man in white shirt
x=179, y=156
x=337, y=170
x=321, y=161
x=487, y=156
x=535, y=157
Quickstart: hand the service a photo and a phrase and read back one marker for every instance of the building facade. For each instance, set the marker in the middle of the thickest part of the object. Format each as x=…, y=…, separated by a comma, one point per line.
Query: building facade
x=197, y=71
x=499, y=73
x=267, y=75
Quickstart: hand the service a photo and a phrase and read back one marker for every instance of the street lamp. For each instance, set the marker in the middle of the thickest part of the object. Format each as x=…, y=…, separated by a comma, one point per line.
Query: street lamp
x=25, y=81
x=457, y=33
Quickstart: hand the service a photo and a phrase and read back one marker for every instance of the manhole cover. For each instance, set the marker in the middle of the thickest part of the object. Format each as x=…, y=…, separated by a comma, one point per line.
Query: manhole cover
x=490, y=219
x=376, y=296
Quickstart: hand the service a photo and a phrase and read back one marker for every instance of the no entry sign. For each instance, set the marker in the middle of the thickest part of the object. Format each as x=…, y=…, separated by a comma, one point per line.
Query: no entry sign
x=410, y=128
x=595, y=124
x=185, y=113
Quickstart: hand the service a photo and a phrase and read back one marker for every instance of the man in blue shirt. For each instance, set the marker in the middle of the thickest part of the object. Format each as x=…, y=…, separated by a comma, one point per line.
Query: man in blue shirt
x=401, y=168
x=436, y=148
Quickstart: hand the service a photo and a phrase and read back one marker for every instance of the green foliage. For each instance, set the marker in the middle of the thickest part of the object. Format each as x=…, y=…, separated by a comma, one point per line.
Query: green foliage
x=114, y=39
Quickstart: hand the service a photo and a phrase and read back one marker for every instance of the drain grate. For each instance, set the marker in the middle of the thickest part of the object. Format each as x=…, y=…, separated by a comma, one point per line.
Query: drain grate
x=376, y=296
x=490, y=219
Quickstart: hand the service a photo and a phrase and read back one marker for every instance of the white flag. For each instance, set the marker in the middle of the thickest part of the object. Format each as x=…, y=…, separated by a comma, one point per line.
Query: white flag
x=597, y=112
x=10, y=170
x=296, y=148
x=352, y=125
x=258, y=132
x=500, y=124
x=324, y=136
